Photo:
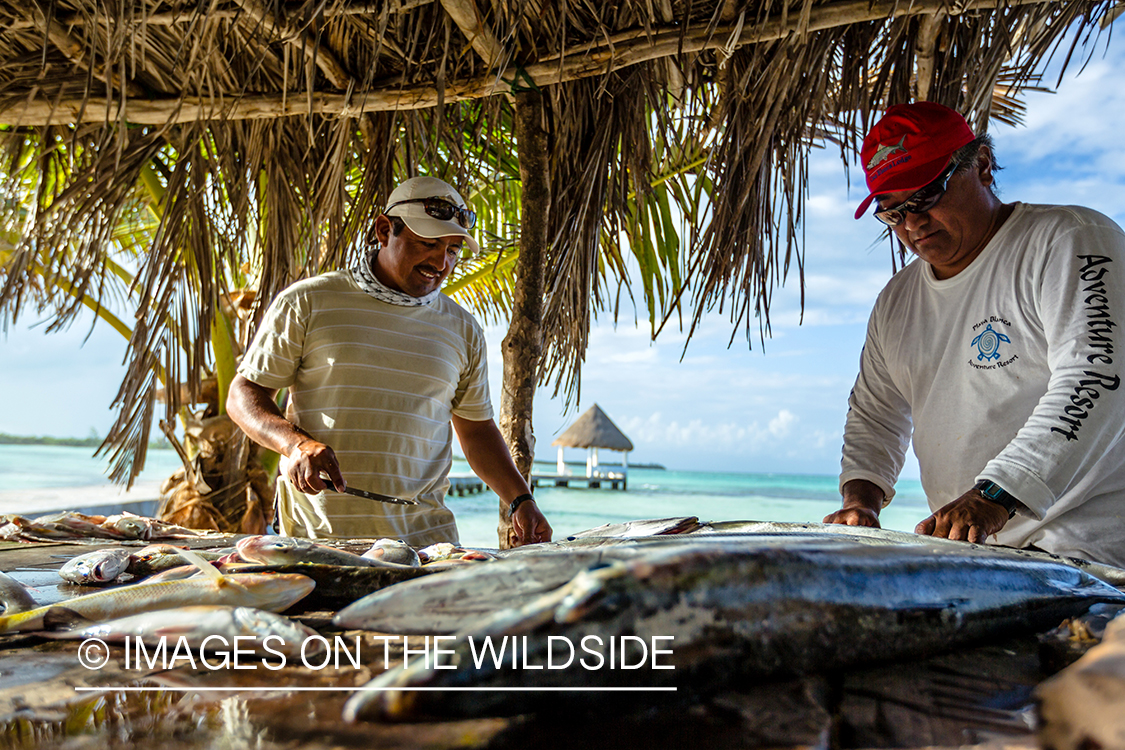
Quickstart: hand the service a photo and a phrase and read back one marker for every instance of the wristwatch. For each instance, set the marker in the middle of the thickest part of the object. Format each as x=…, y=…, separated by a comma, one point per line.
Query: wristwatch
x=998, y=495
x=517, y=502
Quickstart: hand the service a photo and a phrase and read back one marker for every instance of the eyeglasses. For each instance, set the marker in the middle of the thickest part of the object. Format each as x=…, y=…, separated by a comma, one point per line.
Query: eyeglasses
x=920, y=202
x=442, y=209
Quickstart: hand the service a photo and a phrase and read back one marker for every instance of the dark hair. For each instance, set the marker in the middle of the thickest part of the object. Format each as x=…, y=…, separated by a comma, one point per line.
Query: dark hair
x=967, y=155
x=397, y=225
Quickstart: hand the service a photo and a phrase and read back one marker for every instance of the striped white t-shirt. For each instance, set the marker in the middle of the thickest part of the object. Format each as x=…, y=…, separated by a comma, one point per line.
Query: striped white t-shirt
x=378, y=383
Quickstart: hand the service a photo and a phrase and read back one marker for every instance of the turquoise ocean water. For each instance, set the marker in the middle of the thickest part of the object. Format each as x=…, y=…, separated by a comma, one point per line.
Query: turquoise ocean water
x=652, y=493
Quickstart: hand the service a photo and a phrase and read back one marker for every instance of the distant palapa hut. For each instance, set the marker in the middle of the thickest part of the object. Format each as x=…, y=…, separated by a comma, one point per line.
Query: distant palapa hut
x=594, y=430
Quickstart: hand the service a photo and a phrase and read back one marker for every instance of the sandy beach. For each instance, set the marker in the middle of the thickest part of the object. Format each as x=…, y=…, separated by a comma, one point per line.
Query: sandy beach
x=102, y=498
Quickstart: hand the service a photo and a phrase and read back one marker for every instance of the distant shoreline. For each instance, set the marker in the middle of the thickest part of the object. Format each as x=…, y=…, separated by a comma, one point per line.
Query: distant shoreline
x=90, y=442
x=69, y=442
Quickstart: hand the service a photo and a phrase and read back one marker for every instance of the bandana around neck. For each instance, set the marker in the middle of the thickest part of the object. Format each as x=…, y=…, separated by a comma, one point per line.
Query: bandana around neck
x=368, y=283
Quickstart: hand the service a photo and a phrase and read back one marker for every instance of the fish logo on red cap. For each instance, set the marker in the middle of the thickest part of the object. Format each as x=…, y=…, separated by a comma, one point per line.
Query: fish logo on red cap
x=885, y=152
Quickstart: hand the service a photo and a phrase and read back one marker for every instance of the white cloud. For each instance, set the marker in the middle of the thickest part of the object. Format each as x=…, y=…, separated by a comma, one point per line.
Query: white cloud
x=781, y=425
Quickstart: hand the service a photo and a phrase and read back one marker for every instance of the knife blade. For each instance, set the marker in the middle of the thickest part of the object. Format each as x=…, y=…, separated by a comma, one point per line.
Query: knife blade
x=366, y=494
x=377, y=496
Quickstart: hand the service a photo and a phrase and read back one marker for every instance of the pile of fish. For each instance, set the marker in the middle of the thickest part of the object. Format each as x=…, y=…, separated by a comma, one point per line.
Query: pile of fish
x=73, y=526
x=194, y=596
x=194, y=611
x=696, y=613
x=612, y=618
x=165, y=562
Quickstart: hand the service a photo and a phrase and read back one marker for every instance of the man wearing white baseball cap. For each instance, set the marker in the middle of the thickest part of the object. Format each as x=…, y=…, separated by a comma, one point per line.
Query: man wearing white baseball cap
x=381, y=367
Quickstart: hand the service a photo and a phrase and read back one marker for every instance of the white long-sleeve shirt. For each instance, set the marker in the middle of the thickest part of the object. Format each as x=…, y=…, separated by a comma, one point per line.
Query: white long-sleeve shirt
x=1009, y=371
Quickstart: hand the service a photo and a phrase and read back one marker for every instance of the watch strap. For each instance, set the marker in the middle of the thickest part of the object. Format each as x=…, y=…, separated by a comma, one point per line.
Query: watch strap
x=997, y=494
x=517, y=502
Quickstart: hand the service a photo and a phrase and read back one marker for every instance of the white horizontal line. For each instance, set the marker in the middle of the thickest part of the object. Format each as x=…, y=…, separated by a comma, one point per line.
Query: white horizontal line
x=378, y=689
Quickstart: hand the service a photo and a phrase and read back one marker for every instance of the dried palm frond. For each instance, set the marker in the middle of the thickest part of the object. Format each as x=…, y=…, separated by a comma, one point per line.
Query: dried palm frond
x=157, y=154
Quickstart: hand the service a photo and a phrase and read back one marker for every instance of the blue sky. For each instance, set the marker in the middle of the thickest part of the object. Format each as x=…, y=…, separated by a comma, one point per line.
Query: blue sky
x=773, y=408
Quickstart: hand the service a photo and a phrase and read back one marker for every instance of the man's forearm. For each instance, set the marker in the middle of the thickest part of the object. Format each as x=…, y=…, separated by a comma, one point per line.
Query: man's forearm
x=490, y=459
x=253, y=409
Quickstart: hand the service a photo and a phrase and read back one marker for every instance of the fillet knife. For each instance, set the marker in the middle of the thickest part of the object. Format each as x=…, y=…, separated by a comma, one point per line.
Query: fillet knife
x=370, y=495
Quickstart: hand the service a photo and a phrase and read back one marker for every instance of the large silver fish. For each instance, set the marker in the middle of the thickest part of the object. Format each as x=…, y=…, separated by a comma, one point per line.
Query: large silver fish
x=1108, y=573
x=99, y=566
x=648, y=527
x=271, y=592
x=282, y=550
x=448, y=602
x=194, y=625
x=762, y=607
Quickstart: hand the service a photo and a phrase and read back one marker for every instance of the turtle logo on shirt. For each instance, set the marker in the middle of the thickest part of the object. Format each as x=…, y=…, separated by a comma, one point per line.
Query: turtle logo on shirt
x=988, y=344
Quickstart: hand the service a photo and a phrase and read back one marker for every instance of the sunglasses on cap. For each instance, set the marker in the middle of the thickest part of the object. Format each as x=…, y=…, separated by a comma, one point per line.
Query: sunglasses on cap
x=920, y=202
x=439, y=208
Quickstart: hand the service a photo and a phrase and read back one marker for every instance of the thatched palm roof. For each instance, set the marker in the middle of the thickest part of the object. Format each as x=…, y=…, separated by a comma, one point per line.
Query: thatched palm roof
x=594, y=429
x=260, y=139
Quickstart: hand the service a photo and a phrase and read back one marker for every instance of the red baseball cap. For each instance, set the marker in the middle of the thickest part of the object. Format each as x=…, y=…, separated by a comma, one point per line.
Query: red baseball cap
x=909, y=148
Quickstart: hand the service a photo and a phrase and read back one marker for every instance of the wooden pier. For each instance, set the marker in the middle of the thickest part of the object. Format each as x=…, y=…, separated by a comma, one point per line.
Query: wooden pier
x=465, y=484
x=614, y=480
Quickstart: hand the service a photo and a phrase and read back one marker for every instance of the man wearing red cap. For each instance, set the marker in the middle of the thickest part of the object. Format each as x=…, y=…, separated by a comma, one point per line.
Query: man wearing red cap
x=381, y=367
x=996, y=352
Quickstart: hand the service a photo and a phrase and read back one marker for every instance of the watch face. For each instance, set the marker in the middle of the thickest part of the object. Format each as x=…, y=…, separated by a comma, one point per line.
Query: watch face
x=995, y=493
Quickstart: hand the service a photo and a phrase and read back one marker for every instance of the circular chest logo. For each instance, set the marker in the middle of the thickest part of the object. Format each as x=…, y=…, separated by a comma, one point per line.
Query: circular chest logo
x=988, y=344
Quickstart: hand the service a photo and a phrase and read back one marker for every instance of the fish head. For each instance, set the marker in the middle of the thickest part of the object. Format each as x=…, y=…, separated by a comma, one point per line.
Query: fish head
x=99, y=566
x=134, y=527
x=76, y=570
x=268, y=549
x=154, y=558
x=108, y=567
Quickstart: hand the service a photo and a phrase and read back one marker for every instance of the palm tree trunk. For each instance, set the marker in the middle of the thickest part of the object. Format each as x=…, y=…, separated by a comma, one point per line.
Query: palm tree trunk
x=524, y=342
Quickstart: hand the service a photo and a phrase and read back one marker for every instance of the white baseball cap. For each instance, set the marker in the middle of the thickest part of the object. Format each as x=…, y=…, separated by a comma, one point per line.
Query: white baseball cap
x=407, y=203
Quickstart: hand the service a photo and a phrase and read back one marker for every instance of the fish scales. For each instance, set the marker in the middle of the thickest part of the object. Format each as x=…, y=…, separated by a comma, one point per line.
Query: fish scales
x=635, y=529
x=1110, y=574
x=741, y=613
x=445, y=604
